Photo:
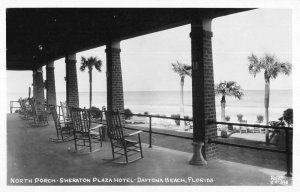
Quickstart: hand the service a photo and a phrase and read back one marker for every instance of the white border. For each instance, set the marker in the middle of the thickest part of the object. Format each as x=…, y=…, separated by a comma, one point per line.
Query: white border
x=293, y=4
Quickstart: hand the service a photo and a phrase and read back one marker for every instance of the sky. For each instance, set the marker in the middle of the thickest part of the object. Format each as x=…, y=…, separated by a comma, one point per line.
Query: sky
x=146, y=60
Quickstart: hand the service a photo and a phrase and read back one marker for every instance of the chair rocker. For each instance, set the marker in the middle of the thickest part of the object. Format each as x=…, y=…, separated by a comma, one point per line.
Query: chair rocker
x=64, y=131
x=121, y=143
x=84, y=135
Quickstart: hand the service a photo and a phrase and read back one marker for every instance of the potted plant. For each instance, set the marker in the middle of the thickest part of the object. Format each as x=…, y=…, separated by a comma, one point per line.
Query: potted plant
x=95, y=113
x=224, y=129
x=230, y=127
x=240, y=119
x=260, y=119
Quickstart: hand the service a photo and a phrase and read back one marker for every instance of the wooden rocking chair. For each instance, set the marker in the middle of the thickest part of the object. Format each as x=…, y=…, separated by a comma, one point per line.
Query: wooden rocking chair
x=41, y=118
x=84, y=135
x=120, y=142
x=64, y=131
x=25, y=110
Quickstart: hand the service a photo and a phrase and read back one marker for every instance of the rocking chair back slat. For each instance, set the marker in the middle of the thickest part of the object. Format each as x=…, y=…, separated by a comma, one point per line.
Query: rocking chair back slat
x=80, y=119
x=115, y=128
x=55, y=116
x=65, y=111
x=32, y=104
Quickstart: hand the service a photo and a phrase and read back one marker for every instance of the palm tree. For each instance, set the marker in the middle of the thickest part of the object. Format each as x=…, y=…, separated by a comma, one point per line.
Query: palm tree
x=90, y=63
x=272, y=67
x=230, y=88
x=182, y=70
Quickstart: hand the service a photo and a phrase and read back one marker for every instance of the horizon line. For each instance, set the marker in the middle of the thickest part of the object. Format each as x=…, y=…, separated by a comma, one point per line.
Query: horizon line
x=160, y=90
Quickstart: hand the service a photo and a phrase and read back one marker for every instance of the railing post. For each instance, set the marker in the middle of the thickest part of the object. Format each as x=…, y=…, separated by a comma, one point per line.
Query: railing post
x=287, y=149
x=10, y=107
x=59, y=111
x=150, y=132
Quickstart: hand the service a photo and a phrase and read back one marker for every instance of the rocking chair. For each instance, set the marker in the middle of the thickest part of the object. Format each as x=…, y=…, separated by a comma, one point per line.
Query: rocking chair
x=41, y=118
x=25, y=110
x=120, y=142
x=64, y=131
x=84, y=135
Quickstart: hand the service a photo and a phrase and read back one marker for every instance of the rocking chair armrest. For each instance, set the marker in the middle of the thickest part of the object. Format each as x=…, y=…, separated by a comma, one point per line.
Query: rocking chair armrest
x=98, y=126
x=134, y=133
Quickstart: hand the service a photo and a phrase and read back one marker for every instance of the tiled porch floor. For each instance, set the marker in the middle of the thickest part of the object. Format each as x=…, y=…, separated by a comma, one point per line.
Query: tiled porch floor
x=30, y=155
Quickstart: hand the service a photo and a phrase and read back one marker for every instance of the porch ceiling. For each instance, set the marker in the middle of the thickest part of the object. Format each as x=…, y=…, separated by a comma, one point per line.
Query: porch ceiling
x=35, y=36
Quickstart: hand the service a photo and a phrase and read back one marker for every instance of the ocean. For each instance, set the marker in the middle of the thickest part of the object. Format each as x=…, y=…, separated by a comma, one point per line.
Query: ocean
x=167, y=102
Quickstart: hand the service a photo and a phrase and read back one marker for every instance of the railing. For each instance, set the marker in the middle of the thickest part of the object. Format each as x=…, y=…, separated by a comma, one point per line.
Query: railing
x=286, y=129
x=287, y=150
x=158, y=133
x=11, y=106
x=150, y=126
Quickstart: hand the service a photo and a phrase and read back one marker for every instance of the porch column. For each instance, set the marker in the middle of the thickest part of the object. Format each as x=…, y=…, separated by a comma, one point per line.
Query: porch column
x=39, y=91
x=202, y=91
x=72, y=96
x=115, y=99
x=50, y=84
x=33, y=83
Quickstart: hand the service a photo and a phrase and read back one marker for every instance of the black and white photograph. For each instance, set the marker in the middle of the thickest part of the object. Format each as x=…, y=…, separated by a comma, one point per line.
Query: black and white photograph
x=182, y=95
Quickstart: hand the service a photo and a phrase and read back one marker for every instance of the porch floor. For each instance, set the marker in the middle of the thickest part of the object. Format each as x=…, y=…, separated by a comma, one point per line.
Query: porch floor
x=33, y=160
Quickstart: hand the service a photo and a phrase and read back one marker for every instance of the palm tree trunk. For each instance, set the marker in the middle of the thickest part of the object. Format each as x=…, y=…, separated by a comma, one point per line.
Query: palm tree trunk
x=90, y=78
x=223, y=104
x=181, y=101
x=267, y=98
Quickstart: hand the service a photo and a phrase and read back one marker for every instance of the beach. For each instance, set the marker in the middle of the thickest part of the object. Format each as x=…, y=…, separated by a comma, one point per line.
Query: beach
x=167, y=103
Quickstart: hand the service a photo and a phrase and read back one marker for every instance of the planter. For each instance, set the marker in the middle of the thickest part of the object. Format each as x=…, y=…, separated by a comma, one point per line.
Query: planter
x=224, y=132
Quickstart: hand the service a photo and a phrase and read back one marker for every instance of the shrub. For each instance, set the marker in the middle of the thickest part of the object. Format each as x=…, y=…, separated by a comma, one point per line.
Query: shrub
x=96, y=113
x=240, y=117
x=288, y=116
x=260, y=118
x=227, y=118
x=160, y=115
x=146, y=113
x=128, y=114
x=177, y=122
x=276, y=123
x=186, y=122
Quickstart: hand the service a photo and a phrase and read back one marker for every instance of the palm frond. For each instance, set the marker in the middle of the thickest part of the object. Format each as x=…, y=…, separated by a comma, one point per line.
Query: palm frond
x=230, y=88
x=254, y=66
x=273, y=67
x=98, y=65
x=82, y=68
x=285, y=68
x=182, y=69
x=90, y=63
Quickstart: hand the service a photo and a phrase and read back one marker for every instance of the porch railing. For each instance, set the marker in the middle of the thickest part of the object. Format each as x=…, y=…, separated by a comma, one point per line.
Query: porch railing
x=150, y=131
x=287, y=151
x=155, y=132
x=12, y=106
